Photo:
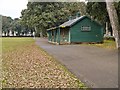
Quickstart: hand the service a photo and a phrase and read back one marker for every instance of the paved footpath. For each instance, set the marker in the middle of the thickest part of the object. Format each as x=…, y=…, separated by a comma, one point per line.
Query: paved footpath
x=96, y=67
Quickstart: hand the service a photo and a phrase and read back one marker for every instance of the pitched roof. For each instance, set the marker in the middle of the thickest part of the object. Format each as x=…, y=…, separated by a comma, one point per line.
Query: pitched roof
x=72, y=22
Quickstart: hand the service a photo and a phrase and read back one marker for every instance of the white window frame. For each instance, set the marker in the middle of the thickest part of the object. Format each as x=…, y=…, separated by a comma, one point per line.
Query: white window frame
x=85, y=28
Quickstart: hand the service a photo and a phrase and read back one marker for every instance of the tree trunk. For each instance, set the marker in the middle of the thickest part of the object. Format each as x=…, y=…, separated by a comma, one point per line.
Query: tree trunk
x=113, y=20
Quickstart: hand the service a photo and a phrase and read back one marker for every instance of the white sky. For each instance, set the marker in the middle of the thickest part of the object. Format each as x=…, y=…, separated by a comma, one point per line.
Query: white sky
x=12, y=8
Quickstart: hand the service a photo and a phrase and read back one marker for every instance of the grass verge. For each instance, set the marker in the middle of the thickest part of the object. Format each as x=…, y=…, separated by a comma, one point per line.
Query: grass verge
x=108, y=44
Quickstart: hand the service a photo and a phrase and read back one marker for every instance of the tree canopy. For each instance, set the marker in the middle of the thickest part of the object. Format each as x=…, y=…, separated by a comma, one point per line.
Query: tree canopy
x=98, y=11
x=40, y=16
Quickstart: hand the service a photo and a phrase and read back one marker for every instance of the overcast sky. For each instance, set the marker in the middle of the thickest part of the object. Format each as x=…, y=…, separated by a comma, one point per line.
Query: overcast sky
x=12, y=8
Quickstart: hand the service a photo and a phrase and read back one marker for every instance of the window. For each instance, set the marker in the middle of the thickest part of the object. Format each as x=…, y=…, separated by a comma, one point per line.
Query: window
x=85, y=28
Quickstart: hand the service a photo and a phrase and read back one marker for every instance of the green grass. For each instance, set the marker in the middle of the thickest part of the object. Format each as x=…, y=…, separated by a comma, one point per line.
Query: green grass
x=108, y=44
x=9, y=44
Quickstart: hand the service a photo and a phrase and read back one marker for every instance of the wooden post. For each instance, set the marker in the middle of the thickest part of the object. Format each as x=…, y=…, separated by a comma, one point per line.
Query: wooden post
x=59, y=35
x=69, y=37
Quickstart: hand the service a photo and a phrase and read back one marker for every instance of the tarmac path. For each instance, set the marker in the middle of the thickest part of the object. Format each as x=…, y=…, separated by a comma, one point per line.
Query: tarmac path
x=94, y=66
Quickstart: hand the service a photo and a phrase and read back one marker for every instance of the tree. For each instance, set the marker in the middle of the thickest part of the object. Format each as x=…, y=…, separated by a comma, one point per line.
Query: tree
x=98, y=12
x=6, y=24
x=14, y=25
x=43, y=15
x=114, y=21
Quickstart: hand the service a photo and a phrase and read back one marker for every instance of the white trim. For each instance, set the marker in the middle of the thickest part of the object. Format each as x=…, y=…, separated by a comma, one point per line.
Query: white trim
x=69, y=35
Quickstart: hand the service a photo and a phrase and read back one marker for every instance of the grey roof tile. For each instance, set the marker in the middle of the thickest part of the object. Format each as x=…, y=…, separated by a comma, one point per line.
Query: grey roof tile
x=71, y=22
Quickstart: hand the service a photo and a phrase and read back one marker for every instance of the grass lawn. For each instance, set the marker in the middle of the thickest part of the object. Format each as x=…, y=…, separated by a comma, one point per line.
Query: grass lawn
x=108, y=44
x=27, y=65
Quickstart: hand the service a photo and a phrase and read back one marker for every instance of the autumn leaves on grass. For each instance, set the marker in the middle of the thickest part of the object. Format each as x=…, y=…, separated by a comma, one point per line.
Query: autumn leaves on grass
x=29, y=66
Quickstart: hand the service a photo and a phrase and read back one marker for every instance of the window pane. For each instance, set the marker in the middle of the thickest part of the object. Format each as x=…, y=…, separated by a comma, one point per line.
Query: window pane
x=85, y=28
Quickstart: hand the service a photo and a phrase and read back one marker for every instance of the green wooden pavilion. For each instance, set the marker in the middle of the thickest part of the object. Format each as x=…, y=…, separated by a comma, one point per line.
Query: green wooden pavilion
x=78, y=30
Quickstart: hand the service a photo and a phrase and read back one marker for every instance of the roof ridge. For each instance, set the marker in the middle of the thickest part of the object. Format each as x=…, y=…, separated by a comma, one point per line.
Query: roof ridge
x=71, y=22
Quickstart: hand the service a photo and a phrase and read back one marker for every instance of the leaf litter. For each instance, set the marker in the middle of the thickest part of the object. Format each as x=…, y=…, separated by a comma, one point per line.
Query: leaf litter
x=30, y=67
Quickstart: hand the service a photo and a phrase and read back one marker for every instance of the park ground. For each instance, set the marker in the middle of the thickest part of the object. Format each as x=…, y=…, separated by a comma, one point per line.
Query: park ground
x=26, y=65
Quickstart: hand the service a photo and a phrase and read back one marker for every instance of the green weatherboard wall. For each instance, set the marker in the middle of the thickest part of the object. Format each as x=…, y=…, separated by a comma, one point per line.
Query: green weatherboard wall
x=94, y=35
x=75, y=31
